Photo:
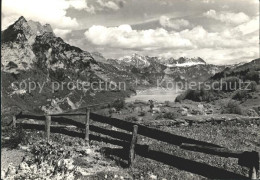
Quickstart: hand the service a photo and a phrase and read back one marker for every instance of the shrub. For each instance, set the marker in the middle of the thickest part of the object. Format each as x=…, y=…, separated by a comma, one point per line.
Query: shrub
x=118, y=104
x=180, y=97
x=232, y=107
x=131, y=118
x=257, y=110
x=167, y=103
x=240, y=95
x=253, y=86
x=142, y=113
x=135, y=70
x=253, y=76
x=168, y=115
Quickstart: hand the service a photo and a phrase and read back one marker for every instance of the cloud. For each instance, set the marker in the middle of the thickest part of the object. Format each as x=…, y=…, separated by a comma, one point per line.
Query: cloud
x=54, y=12
x=8, y=20
x=78, y=4
x=95, y=6
x=61, y=32
x=249, y=27
x=227, y=17
x=47, y=11
x=173, y=23
x=216, y=40
x=250, y=2
x=109, y=4
x=244, y=30
x=208, y=1
x=124, y=36
x=204, y=1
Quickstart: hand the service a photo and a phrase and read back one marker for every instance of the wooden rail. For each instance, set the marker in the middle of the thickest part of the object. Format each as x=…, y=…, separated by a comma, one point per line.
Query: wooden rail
x=245, y=158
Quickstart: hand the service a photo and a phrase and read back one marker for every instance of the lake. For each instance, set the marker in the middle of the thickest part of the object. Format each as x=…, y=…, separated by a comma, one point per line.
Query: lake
x=156, y=94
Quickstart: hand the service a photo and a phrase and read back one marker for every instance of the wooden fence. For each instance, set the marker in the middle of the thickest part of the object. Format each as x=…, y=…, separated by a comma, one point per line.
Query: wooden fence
x=245, y=158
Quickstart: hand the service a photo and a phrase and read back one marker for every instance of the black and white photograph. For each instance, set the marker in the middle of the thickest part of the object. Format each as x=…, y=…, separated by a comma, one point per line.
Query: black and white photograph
x=130, y=89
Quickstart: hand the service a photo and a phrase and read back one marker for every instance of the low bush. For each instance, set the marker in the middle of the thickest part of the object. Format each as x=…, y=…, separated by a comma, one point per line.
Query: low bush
x=180, y=97
x=253, y=76
x=253, y=86
x=168, y=115
x=142, y=113
x=131, y=118
x=167, y=103
x=118, y=104
x=232, y=107
x=240, y=95
x=257, y=110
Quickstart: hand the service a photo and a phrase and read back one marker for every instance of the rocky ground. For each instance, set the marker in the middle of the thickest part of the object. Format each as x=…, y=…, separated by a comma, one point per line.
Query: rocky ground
x=64, y=157
x=25, y=154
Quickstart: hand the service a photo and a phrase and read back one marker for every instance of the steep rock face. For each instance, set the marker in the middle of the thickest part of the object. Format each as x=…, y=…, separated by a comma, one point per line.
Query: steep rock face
x=99, y=57
x=31, y=53
x=16, y=56
x=38, y=29
x=26, y=44
x=53, y=53
x=17, y=41
x=23, y=30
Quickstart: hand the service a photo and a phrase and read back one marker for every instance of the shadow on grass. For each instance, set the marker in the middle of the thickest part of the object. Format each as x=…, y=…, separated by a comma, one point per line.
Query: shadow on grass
x=121, y=154
x=14, y=138
x=202, y=169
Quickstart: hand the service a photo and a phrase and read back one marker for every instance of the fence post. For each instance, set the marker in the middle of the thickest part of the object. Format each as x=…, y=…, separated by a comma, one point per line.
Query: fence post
x=47, y=127
x=252, y=173
x=14, y=121
x=87, y=126
x=254, y=165
x=132, y=146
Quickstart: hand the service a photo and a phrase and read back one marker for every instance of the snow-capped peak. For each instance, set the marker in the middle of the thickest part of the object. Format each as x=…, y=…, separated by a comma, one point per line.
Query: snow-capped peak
x=136, y=60
x=184, y=61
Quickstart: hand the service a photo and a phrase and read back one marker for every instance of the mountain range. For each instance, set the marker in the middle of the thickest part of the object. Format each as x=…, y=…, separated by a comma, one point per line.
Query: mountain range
x=31, y=52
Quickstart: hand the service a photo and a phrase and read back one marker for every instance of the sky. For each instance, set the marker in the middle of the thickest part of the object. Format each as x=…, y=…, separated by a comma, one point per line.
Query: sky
x=219, y=31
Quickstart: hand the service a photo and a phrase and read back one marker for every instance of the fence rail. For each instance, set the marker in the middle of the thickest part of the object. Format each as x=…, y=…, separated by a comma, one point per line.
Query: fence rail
x=245, y=158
